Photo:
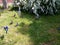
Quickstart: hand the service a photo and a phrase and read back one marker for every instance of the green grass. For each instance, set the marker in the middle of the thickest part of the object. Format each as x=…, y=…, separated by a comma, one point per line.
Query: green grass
x=30, y=31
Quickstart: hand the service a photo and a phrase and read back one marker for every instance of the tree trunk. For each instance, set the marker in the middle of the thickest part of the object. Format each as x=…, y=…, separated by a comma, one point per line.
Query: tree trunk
x=5, y=4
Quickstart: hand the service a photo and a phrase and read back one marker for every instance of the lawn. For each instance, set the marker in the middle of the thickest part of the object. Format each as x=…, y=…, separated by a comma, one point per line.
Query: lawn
x=30, y=31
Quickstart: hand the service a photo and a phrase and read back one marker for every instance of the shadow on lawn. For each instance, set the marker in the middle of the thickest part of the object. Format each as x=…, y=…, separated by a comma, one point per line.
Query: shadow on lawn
x=38, y=33
x=42, y=31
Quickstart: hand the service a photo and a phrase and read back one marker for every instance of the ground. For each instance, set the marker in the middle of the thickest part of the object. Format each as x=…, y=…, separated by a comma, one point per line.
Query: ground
x=30, y=31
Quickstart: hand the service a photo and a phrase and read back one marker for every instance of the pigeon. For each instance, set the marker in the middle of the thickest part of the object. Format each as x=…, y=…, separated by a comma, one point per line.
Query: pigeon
x=2, y=37
x=11, y=22
x=14, y=15
x=16, y=25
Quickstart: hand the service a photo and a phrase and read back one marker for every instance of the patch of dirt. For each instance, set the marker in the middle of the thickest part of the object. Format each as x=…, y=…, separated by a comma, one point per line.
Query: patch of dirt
x=52, y=31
